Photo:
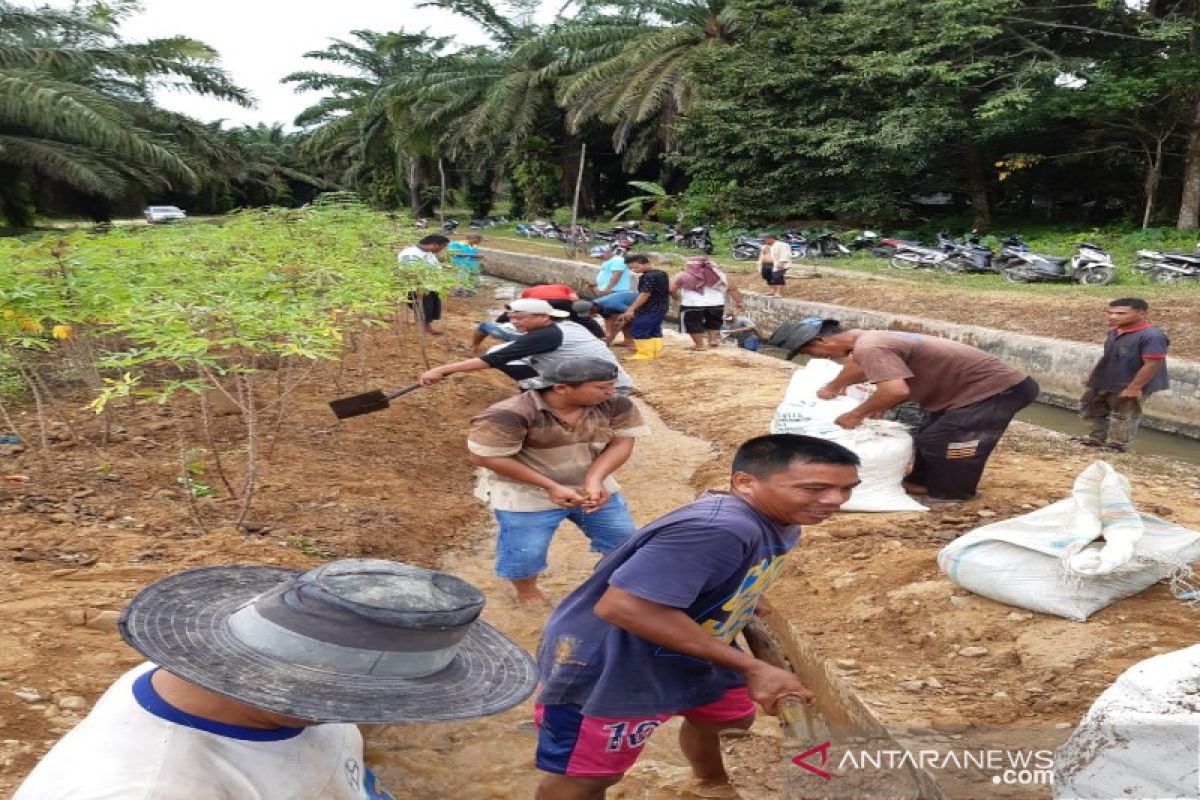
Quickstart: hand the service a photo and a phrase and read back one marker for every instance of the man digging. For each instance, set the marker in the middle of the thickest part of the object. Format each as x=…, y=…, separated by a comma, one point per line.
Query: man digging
x=551, y=454
x=650, y=634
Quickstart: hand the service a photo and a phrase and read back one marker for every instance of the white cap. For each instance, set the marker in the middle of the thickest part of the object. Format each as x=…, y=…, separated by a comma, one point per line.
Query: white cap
x=531, y=306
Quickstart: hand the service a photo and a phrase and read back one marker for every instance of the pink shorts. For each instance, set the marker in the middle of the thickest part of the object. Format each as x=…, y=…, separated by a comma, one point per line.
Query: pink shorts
x=571, y=743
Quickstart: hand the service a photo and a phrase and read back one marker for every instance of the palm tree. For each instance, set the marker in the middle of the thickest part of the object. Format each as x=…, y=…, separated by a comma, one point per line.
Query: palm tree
x=362, y=128
x=628, y=67
x=76, y=108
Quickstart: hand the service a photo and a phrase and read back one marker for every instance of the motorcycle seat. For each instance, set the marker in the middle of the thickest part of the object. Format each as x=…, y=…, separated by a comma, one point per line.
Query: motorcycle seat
x=1090, y=246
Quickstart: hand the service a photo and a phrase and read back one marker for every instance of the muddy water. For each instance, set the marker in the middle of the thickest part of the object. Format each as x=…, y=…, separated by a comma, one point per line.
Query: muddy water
x=493, y=757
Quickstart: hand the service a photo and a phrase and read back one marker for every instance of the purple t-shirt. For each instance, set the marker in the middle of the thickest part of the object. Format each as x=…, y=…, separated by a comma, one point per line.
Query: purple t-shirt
x=712, y=559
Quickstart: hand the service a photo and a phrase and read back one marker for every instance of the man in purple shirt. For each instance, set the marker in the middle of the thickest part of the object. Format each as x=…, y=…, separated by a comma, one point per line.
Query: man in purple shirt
x=650, y=634
x=1133, y=367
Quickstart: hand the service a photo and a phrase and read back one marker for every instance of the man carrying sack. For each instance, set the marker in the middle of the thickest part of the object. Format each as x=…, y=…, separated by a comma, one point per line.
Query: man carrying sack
x=257, y=674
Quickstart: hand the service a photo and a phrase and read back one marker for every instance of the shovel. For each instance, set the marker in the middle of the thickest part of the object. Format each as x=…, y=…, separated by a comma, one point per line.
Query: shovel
x=760, y=757
x=367, y=402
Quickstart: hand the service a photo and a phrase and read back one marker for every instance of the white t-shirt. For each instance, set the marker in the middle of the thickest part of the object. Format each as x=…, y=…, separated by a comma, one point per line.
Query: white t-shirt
x=779, y=253
x=413, y=253
x=707, y=296
x=133, y=746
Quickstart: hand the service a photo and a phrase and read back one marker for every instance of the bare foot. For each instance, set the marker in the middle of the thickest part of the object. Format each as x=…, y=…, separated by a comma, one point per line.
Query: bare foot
x=533, y=599
x=914, y=488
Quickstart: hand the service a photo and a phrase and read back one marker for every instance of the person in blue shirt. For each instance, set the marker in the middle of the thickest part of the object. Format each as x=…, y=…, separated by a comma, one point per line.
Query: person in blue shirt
x=465, y=257
x=614, y=294
x=650, y=634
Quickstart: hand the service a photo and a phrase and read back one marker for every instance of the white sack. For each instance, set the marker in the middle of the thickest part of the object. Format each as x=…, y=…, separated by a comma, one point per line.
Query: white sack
x=1140, y=738
x=1053, y=560
x=884, y=447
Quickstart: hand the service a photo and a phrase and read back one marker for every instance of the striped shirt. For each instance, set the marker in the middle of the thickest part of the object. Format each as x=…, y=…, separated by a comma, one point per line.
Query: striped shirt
x=525, y=428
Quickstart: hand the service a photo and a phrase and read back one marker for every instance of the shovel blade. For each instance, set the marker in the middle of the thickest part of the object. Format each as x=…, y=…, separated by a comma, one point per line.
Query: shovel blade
x=359, y=404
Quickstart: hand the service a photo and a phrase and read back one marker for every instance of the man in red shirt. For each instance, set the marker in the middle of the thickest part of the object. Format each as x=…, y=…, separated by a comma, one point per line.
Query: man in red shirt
x=550, y=291
x=1134, y=366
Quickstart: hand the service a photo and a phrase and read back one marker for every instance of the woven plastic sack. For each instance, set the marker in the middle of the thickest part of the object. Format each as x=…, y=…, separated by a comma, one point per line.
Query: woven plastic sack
x=885, y=448
x=1139, y=738
x=1054, y=560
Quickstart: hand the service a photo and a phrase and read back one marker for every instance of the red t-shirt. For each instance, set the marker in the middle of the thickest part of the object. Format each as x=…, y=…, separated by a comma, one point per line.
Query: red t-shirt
x=549, y=291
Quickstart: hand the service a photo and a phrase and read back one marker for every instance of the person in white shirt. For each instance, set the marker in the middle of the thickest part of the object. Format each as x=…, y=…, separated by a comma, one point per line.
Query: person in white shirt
x=774, y=259
x=426, y=305
x=701, y=290
x=257, y=674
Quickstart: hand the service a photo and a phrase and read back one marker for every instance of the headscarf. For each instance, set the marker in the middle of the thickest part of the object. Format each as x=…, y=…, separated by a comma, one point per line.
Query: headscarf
x=699, y=273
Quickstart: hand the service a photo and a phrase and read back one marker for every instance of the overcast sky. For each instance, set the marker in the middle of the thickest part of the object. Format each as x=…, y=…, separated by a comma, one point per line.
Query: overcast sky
x=260, y=41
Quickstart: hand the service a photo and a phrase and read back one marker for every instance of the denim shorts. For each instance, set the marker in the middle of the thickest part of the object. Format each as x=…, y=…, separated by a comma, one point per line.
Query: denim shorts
x=498, y=331
x=524, y=536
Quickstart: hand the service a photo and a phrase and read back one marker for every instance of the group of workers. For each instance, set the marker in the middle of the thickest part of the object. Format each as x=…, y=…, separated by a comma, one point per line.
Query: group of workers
x=254, y=674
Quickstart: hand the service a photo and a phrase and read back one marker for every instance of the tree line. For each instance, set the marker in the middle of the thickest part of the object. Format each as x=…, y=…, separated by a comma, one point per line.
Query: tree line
x=744, y=111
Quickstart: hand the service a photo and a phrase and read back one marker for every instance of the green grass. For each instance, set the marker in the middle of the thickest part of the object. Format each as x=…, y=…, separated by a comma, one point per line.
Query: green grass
x=1121, y=243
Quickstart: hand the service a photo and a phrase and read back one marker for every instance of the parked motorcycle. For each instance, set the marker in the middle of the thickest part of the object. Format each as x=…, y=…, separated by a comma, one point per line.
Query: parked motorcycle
x=697, y=238
x=826, y=245
x=870, y=240
x=449, y=225
x=969, y=255
x=747, y=248
x=1090, y=266
x=1174, y=271
x=907, y=254
x=1166, y=265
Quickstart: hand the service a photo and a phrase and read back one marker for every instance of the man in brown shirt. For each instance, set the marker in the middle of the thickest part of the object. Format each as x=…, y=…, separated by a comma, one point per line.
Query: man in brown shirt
x=972, y=397
x=551, y=454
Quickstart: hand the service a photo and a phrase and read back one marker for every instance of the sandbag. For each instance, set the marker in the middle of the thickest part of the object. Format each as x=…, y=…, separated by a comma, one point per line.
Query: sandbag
x=1054, y=560
x=1139, y=738
x=885, y=448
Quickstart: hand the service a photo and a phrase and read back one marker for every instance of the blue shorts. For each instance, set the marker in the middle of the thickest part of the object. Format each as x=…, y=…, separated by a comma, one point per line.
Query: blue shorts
x=524, y=536
x=498, y=331
x=749, y=343
x=615, y=303
x=647, y=326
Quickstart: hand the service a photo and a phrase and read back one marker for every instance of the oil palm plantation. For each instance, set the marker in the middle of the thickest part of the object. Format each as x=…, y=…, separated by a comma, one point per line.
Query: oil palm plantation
x=76, y=114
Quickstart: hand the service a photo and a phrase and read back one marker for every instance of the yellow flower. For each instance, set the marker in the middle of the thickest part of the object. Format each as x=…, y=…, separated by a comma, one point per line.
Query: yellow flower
x=61, y=331
x=30, y=325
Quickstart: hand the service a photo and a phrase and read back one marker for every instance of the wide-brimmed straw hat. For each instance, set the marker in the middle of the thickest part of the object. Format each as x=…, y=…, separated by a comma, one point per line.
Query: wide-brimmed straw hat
x=356, y=640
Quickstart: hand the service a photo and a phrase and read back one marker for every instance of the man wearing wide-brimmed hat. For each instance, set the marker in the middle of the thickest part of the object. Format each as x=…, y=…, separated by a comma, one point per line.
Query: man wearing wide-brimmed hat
x=256, y=675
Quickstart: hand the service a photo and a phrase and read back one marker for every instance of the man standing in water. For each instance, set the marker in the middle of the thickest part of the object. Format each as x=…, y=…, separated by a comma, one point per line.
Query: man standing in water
x=650, y=634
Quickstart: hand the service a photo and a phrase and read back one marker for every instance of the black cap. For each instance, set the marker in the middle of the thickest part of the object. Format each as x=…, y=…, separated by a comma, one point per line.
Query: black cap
x=580, y=370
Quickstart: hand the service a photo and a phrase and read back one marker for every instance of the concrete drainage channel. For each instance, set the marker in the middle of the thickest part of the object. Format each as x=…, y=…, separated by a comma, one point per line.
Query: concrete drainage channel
x=842, y=724
x=1169, y=427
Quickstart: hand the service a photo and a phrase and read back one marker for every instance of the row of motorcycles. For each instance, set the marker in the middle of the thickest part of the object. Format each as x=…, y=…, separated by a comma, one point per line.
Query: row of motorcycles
x=620, y=239
x=1090, y=265
x=812, y=244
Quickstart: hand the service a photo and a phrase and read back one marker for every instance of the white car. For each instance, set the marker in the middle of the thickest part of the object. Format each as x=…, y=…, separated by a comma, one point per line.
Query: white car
x=156, y=214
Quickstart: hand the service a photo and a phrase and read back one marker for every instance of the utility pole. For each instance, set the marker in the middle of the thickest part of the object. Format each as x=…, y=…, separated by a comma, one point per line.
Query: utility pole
x=442, y=201
x=571, y=232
